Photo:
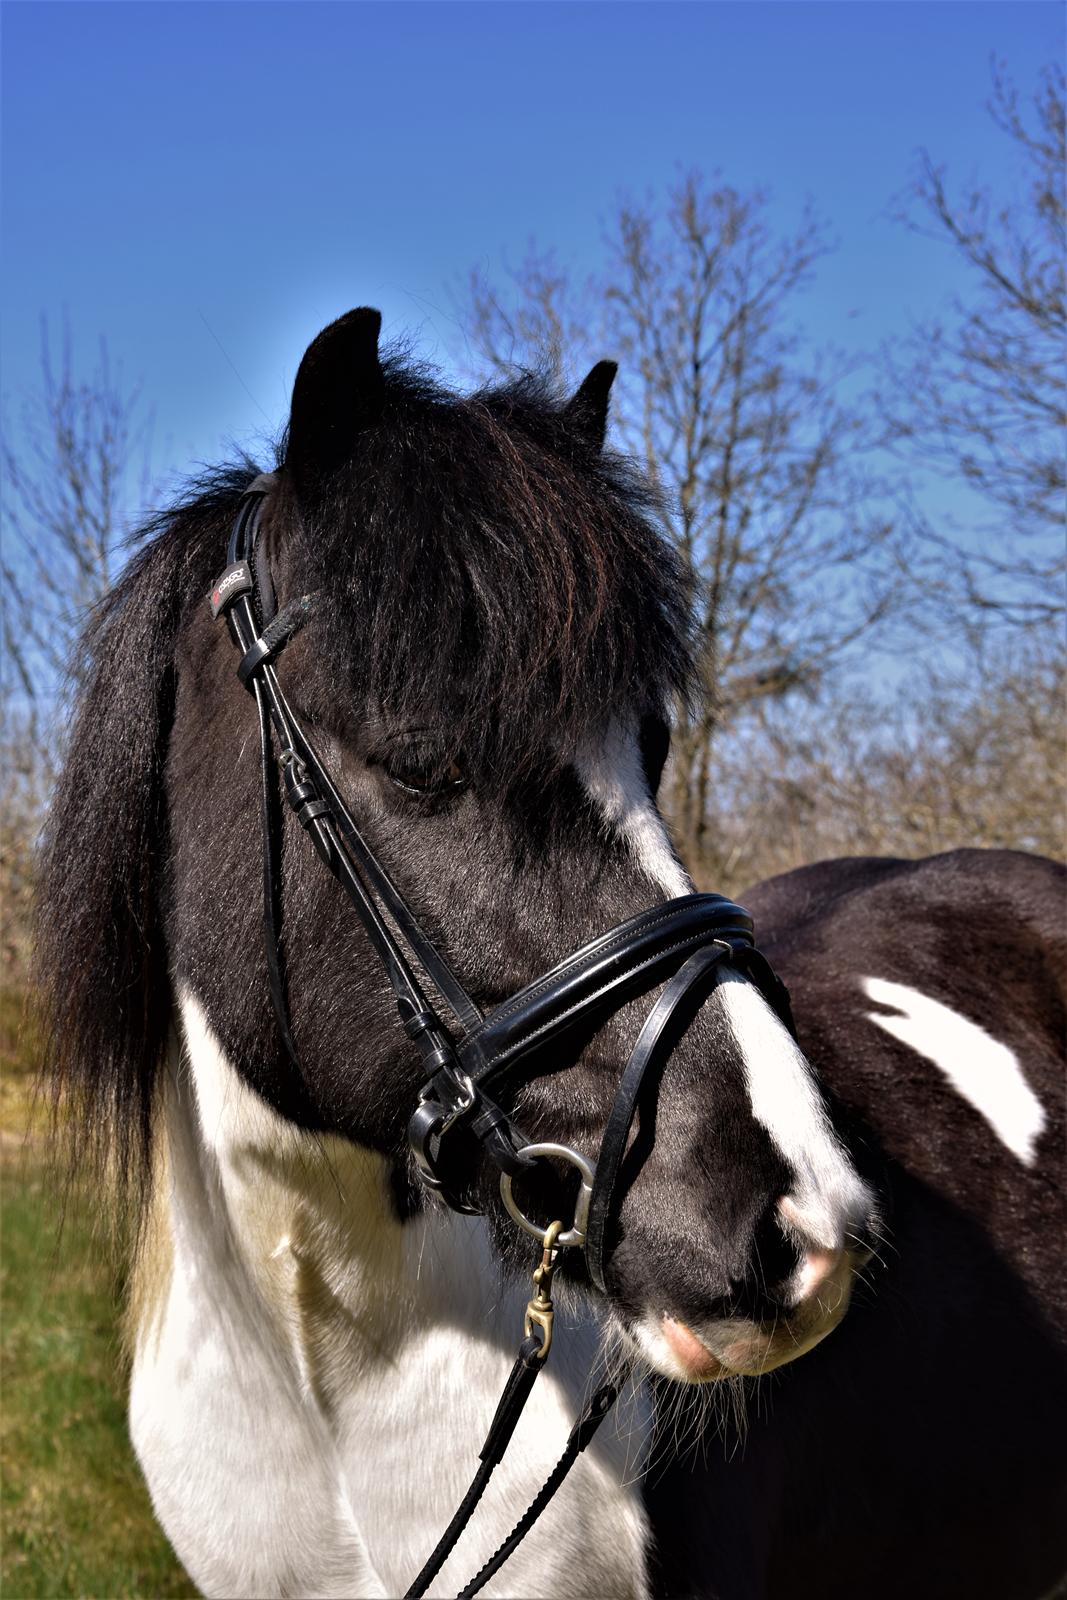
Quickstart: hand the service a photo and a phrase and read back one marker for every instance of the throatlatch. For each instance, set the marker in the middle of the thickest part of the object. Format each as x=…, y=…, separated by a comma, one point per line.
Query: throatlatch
x=684, y=944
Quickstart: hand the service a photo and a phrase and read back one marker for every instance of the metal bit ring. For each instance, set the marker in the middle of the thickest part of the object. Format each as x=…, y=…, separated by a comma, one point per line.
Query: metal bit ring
x=575, y=1235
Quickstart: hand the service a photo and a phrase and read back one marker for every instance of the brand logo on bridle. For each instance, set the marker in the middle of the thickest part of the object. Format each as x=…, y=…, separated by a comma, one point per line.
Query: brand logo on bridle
x=237, y=579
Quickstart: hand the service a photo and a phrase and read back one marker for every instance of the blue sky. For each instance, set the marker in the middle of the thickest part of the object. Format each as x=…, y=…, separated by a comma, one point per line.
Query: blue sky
x=208, y=184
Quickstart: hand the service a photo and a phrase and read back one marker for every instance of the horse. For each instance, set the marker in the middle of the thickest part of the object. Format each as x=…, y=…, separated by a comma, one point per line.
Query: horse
x=483, y=633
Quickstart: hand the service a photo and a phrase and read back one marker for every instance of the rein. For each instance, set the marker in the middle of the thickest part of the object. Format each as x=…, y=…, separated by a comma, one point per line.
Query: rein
x=685, y=944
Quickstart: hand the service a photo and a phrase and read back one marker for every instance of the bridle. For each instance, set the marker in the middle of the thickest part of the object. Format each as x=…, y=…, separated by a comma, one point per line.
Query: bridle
x=685, y=944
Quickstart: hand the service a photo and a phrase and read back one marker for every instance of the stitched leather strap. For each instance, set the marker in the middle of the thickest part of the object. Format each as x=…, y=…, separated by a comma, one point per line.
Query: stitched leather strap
x=429, y=957
x=259, y=636
x=580, y=1437
x=598, y=978
x=276, y=635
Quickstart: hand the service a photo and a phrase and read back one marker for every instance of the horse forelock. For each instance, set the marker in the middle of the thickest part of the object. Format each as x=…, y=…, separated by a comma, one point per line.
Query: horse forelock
x=485, y=573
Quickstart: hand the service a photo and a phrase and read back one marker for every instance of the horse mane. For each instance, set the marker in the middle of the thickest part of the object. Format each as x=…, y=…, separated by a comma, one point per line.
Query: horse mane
x=101, y=965
x=481, y=567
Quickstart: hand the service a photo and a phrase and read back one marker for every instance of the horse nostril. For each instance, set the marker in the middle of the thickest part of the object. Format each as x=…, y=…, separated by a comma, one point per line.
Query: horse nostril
x=857, y=1230
x=816, y=1267
x=764, y=1285
x=774, y=1250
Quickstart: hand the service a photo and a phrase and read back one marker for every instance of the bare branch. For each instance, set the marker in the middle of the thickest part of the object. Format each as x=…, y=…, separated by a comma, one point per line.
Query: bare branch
x=972, y=757
x=758, y=465
x=73, y=462
x=980, y=396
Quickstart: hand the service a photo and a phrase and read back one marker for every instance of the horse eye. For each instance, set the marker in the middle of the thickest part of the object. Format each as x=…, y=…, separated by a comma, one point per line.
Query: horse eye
x=423, y=772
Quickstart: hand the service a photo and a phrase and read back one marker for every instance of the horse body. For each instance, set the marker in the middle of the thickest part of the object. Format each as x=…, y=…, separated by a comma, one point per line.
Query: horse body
x=318, y=1344
x=920, y=1451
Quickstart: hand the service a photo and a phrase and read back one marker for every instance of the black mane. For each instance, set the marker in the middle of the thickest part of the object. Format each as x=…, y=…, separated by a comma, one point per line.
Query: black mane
x=482, y=568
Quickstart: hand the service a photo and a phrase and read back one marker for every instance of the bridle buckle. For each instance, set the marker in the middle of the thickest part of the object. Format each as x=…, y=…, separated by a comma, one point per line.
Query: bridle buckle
x=460, y=1107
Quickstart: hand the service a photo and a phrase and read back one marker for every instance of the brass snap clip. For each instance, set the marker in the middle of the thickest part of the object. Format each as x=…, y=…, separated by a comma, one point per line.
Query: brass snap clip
x=540, y=1311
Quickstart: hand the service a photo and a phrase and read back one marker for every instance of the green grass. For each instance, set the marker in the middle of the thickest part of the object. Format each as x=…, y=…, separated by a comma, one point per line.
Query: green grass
x=76, y=1515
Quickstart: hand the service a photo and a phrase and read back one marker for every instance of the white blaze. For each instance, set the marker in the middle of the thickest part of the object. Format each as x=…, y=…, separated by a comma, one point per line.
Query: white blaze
x=986, y=1073
x=614, y=779
x=829, y=1196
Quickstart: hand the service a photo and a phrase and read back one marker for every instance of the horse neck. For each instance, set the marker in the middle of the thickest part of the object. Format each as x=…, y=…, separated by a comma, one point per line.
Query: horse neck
x=294, y=1223
x=388, y=1340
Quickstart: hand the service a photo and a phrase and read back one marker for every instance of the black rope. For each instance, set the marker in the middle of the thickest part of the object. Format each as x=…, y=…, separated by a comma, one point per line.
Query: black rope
x=580, y=1436
x=524, y=1373
x=448, y=1539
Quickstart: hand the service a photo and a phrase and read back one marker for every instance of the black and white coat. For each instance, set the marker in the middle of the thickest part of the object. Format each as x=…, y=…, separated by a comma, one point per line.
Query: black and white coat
x=317, y=1349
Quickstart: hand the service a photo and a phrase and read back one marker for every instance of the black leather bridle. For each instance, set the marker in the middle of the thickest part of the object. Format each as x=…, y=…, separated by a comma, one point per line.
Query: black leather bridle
x=685, y=944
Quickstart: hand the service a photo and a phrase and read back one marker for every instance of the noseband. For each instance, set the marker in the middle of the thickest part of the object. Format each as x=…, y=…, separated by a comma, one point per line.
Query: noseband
x=686, y=945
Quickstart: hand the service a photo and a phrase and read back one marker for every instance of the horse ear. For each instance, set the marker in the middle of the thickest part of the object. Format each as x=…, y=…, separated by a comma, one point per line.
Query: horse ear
x=588, y=410
x=338, y=392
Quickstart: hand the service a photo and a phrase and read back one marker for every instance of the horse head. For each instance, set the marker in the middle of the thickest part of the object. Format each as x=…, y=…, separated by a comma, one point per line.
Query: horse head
x=499, y=631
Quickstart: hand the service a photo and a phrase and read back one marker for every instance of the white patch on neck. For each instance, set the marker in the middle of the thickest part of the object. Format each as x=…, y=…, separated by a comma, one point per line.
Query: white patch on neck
x=615, y=780
x=986, y=1073
x=827, y=1192
x=314, y=1380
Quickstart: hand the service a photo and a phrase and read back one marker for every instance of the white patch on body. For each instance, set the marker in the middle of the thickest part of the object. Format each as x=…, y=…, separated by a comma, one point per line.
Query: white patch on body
x=985, y=1072
x=313, y=1382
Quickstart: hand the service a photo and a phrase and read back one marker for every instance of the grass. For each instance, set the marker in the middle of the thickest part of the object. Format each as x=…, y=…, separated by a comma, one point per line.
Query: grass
x=77, y=1519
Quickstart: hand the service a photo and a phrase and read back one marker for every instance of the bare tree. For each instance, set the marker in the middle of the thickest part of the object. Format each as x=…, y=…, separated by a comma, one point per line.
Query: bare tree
x=759, y=465
x=73, y=462
x=974, y=756
x=76, y=457
x=980, y=396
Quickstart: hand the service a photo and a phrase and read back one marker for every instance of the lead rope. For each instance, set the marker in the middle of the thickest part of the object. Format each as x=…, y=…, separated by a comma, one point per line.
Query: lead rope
x=533, y=1353
x=581, y=1435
